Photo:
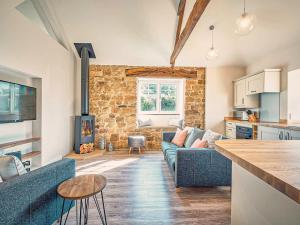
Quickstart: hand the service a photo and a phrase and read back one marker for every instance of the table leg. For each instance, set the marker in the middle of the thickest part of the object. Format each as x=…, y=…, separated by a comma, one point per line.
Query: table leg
x=62, y=212
x=103, y=207
x=130, y=150
x=68, y=212
x=99, y=209
x=86, y=214
x=80, y=210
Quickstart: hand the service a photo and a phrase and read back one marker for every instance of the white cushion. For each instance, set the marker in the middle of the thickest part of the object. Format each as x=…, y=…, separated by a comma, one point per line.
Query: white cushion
x=1, y=179
x=176, y=123
x=144, y=123
x=211, y=137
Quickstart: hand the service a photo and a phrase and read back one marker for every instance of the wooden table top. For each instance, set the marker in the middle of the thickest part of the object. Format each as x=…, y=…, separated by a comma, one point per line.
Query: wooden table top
x=275, y=162
x=82, y=186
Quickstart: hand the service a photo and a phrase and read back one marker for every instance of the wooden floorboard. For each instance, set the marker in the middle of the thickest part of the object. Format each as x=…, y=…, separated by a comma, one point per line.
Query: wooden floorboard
x=141, y=191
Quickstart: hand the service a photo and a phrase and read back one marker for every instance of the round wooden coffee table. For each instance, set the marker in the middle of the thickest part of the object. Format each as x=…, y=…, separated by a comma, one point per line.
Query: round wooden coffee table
x=80, y=189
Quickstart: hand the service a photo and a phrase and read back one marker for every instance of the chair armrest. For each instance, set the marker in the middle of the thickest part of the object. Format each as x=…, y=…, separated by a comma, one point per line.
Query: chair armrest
x=168, y=136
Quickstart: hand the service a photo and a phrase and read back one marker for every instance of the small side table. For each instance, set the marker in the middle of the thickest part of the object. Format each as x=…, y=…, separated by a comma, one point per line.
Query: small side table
x=136, y=142
x=81, y=188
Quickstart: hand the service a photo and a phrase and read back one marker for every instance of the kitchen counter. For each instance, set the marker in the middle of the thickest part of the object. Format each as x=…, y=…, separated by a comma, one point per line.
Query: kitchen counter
x=283, y=125
x=265, y=180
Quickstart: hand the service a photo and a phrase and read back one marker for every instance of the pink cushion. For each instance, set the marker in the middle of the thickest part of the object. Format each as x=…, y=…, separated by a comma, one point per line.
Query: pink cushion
x=180, y=137
x=200, y=144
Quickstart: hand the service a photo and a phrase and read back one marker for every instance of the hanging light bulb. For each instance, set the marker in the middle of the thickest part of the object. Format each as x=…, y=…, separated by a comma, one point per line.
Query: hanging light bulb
x=245, y=23
x=212, y=53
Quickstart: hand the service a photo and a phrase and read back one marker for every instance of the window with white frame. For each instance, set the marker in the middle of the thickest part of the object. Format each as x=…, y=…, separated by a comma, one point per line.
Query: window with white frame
x=160, y=96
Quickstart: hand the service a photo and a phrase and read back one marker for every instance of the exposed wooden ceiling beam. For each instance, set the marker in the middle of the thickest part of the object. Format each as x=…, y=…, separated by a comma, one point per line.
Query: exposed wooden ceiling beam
x=180, y=14
x=194, y=17
x=160, y=72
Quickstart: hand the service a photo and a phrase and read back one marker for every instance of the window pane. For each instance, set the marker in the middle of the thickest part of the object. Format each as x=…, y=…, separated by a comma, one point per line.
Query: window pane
x=5, y=97
x=148, y=97
x=168, y=95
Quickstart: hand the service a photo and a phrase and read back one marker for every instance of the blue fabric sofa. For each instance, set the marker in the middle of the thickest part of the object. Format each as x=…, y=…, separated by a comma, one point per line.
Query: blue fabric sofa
x=192, y=167
x=32, y=198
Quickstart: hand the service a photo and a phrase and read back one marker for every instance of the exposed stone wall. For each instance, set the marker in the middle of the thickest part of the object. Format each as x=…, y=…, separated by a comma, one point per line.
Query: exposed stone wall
x=113, y=100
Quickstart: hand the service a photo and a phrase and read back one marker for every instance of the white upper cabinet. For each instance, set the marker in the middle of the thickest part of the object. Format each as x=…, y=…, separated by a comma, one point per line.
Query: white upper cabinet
x=267, y=81
x=294, y=96
x=241, y=100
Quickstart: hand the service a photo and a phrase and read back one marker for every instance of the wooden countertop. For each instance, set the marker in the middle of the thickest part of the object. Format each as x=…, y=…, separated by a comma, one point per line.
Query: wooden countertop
x=275, y=162
x=283, y=125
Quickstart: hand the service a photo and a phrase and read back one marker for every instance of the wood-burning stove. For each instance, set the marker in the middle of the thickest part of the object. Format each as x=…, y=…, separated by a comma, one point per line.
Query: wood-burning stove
x=84, y=134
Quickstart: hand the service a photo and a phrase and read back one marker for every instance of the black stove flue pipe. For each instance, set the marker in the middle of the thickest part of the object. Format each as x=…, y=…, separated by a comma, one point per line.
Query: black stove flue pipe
x=85, y=51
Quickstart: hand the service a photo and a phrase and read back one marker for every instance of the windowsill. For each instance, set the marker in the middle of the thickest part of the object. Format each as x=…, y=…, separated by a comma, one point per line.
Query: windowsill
x=157, y=127
x=164, y=114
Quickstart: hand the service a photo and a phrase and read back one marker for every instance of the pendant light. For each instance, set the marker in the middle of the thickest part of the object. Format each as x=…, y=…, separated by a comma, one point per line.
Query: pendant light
x=245, y=23
x=212, y=53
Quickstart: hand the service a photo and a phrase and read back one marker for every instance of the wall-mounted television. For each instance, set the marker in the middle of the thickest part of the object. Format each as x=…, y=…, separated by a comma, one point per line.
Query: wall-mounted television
x=17, y=102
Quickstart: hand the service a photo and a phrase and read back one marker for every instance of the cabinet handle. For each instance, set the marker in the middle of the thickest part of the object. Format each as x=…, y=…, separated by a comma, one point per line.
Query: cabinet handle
x=280, y=135
x=253, y=91
x=243, y=100
x=288, y=135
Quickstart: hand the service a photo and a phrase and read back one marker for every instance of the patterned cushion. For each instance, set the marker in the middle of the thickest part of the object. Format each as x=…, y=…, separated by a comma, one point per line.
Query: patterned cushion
x=211, y=137
x=20, y=167
x=192, y=137
x=180, y=137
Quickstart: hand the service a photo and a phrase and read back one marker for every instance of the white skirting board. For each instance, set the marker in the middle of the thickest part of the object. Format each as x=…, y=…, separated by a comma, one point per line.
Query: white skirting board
x=254, y=202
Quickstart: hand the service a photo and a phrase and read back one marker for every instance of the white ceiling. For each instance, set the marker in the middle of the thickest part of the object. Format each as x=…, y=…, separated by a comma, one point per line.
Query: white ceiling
x=142, y=32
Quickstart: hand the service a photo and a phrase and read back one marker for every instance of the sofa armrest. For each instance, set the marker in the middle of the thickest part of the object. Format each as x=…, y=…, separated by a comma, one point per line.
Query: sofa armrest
x=201, y=167
x=168, y=136
x=33, y=197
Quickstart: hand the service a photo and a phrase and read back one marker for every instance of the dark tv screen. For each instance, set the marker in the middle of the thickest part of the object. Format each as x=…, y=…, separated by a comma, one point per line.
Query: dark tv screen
x=17, y=102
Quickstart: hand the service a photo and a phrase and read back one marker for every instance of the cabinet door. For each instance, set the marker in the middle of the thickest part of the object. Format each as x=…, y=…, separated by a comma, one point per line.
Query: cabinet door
x=292, y=135
x=293, y=96
x=270, y=133
x=255, y=84
x=239, y=93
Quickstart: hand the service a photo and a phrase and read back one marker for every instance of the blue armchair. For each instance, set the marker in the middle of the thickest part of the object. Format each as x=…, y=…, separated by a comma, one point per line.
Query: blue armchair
x=196, y=167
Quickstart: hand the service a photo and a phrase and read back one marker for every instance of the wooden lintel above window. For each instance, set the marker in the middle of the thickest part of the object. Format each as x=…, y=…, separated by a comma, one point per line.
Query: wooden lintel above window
x=161, y=72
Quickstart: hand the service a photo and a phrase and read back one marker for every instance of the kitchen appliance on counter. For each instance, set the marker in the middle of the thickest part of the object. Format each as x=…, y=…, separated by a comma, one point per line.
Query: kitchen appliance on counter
x=241, y=115
x=244, y=131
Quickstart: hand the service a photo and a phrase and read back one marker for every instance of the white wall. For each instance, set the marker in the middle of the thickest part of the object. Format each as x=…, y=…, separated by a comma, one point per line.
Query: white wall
x=26, y=48
x=286, y=59
x=219, y=95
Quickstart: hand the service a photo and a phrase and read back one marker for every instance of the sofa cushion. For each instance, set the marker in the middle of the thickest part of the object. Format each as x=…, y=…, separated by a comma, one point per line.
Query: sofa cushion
x=211, y=137
x=8, y=168
x=200, y=144
x=167, y=146
x=180, y=137
x=193, y=136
